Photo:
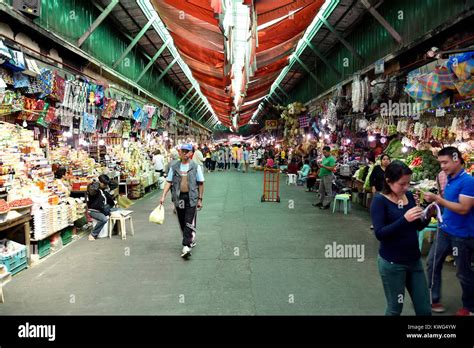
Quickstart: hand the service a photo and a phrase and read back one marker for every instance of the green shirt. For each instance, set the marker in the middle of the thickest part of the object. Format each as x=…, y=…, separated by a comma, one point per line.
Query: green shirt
x=329, y=162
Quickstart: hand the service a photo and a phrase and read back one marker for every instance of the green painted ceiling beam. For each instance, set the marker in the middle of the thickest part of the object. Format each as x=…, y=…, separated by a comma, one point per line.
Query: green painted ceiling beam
x=201, y=108
x=152, y=61
x=135, y=40
x=202, y=115
x=340, y=38
x=383, y=22
x=198, y=100
x=185, y=95
x=323, y=59
x=97, y=22
x=190, y=99
x=283, y=91
x=318, y=81
x=167, y=69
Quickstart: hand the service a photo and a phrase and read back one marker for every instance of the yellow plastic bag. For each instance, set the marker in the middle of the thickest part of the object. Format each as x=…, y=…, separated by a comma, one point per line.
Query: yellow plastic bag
x=158, y=215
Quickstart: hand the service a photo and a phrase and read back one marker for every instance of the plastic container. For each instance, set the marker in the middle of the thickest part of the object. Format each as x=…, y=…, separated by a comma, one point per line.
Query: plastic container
x=66, y=236
x=15, y=261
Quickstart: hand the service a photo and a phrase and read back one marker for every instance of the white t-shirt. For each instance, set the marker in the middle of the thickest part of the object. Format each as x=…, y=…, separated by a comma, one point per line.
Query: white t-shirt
x=158, y=162
x=198, y=158
x=183, y=170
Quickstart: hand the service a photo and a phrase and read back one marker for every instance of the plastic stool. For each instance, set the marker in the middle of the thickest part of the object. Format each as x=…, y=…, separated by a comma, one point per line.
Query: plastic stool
x=291, y=180
x=122, y=219
x=345, y=199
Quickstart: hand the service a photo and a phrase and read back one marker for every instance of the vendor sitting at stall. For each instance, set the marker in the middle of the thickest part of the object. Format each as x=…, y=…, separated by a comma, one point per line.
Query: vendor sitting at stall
x=62, y=185
x=100, y=203
x=312, y=176
x=304, y=172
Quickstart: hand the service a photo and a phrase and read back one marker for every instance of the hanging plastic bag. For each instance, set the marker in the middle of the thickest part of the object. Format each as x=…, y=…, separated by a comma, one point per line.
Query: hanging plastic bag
x=158, y=215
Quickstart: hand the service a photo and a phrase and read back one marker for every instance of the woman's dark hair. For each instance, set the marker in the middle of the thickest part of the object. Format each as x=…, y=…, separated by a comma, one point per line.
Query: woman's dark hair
x=394, y=172
x=104, y=179
x=60, y=173
x=326, y=148
x=384, y=155
x=450, y=151
x=306, y=161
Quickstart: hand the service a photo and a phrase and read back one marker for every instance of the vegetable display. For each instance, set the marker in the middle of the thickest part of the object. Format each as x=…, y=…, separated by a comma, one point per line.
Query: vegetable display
x=424, y=165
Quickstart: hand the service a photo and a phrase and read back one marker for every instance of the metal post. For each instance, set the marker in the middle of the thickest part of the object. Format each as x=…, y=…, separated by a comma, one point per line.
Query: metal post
x=167, y=69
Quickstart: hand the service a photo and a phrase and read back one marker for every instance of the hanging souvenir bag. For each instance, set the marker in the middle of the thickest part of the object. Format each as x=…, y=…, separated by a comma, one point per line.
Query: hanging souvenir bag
x=20, y=80
x=109, y=108
x=41, y=114
x=18, y=102
x=7, y=76
x=58, y=88
x=16, y=62
x=45, y=80
x=51, y=115
x=29, y=106
x=5, y=53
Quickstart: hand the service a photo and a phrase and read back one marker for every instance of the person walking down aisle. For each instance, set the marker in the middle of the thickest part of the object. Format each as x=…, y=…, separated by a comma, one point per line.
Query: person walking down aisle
x=326, y=168
x=456, y=230
x=246, y=157
x=198, y=157
x=227, y=157
x=235, y=161
x=396, y=219
x=240, y=158
x=377, y=177
x=186, y=181
x=221, y=165
x=214, y=159
x=159, y=162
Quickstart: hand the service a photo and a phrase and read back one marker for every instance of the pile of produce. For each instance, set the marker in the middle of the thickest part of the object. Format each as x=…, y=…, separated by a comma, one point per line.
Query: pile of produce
x=394, y=149
x=4, y=207
x=424, y=165
x=19, y=203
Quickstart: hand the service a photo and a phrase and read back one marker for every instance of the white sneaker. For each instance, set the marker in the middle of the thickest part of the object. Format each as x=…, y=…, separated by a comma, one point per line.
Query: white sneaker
x=193, y=244
x=186, y=252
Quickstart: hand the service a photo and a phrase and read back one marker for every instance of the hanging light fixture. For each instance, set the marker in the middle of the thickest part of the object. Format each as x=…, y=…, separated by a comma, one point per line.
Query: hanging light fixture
x=371, y=138
x=25, y=124
x=101, y=142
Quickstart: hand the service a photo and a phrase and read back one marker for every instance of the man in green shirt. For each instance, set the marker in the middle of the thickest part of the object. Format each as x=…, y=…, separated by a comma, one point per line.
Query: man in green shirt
x=327, y=166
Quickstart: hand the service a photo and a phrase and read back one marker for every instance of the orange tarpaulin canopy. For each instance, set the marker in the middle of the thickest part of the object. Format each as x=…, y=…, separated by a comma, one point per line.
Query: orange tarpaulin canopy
x=195, y=28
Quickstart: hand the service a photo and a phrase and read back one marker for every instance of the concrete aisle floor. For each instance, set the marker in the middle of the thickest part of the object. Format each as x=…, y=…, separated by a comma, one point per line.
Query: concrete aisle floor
x=252, y=258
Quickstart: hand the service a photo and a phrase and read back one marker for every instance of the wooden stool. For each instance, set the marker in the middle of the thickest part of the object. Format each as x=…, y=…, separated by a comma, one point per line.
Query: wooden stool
x=122, y=219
